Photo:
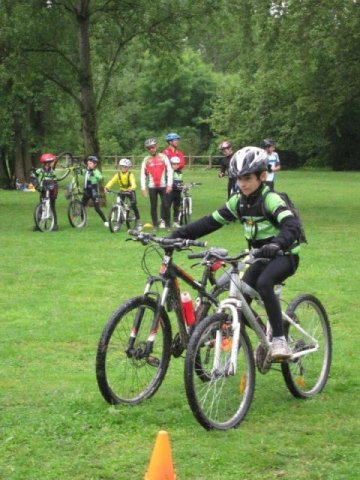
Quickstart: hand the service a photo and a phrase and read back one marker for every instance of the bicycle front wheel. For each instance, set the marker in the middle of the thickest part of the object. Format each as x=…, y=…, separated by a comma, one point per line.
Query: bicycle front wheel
x=116, y=219
x=64, y=161
x=125, y=374
x=77, y=214
x=307, y=375
x=44, y=221
x=223, y=401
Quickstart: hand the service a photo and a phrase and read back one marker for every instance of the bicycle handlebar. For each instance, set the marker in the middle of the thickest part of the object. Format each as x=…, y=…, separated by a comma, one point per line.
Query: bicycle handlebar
x=175, y=243
x=214, y=254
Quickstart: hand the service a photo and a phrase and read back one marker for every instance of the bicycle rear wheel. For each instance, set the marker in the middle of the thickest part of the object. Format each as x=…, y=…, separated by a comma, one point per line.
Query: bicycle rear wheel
x=77, y=214
x=307, y=375
x=223, y=401
x=126, y=375
x=45, y=223
x=116, y=219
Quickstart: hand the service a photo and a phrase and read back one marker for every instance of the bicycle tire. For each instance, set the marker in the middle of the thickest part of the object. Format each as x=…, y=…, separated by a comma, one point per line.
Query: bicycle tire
x=222, y=402
x=43, y=224
x=77, y=214
x=307, y=375
x=130, y=217
x=130, y=379
x=116, y=219
x=64, y=160
x=186, y=213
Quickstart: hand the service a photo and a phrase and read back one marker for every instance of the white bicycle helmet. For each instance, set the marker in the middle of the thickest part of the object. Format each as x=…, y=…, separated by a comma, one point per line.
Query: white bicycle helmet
x=125, y=162
x=150, y=142
x=248, y=160
x=175, y=160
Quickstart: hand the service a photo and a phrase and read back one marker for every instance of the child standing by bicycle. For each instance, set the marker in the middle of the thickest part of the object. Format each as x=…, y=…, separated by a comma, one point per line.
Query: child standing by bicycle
x=45, y=178
x=249, y=166
x=125, y=179
x=93, y=177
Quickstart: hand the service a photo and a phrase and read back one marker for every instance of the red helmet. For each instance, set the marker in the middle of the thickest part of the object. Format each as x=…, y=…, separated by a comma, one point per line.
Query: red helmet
x=47, y=157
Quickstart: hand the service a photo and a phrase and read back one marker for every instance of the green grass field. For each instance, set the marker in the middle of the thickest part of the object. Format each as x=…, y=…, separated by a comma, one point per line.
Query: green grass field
x=57, y=292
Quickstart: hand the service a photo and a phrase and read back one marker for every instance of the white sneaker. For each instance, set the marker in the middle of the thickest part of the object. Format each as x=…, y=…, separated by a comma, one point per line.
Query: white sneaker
x=176, y=225
x=106, y=224
x=280, y=350
x=161, y=224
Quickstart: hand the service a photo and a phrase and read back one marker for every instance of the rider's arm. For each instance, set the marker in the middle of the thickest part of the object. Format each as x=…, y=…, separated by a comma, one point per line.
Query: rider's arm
x=132, y=181
x=197, y=229
x=111, y=182
x=206, y=225
x=143, y=174
x=289, y=225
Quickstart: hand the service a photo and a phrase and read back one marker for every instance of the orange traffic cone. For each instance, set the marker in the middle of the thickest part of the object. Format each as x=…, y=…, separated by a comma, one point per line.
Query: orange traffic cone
x=161, y=464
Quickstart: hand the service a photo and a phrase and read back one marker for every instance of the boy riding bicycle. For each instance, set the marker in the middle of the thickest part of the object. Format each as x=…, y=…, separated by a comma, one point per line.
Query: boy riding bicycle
x=44, y=177
x=249, y=166
x=125, y=179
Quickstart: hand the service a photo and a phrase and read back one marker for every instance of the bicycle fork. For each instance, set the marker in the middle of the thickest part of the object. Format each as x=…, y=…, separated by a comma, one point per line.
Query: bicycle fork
x=146, y=351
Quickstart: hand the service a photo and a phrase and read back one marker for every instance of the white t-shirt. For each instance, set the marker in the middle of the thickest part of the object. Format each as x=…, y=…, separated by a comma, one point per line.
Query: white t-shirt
x=273, y=160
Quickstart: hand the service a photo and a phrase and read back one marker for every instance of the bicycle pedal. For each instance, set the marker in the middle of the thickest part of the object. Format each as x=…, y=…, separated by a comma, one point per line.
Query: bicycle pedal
x=153, y=361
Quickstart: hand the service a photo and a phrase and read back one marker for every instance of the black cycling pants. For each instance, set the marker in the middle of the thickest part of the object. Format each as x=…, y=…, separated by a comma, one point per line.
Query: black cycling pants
x=92, y=193
x=132, y=196
x=165, y=199
x=262, y=277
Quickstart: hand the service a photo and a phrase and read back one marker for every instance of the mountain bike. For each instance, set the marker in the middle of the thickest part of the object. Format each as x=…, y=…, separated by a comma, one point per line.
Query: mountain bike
x=221, y=398
x=137, y=342
x=76, y=211
x=121, y=212
x=186, y=203
x=43, y=215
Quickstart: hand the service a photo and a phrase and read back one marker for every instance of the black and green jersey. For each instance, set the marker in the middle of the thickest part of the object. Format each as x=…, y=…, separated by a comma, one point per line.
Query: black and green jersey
x=45, y=174
x=258, y=228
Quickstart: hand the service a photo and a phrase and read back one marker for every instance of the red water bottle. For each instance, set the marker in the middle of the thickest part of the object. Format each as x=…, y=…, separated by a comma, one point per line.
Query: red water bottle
x=188, y=308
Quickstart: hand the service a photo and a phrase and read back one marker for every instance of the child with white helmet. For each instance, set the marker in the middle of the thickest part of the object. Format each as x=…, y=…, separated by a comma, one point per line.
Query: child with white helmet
x=125, y=180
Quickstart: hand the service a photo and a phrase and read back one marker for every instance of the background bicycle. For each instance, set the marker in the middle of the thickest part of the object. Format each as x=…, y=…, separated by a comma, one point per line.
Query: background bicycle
x=137, y=342
x=186, y=205
x=43, y=215
x=222, y=398
x=76, y=211
x=121, y=212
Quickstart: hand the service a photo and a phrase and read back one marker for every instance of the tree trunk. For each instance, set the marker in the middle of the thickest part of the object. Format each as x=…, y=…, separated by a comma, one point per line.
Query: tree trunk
x=88, y=108
x=18, y=151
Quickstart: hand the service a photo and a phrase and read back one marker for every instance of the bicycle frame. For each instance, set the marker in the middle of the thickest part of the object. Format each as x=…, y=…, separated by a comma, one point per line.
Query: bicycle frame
x=168, y=277
x=237, y=302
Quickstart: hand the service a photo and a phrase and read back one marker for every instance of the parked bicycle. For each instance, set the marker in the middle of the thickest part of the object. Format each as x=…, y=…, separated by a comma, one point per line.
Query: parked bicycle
x=222, y=397
x=43, y=215
x=121, y=212
x=137, y=342
x=186, y=204
x=76, y=211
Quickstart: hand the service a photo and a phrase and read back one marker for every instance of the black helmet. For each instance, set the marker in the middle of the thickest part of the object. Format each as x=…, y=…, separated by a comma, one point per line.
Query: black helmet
x=268, y=143
x=248, y=160
x=92, y=158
